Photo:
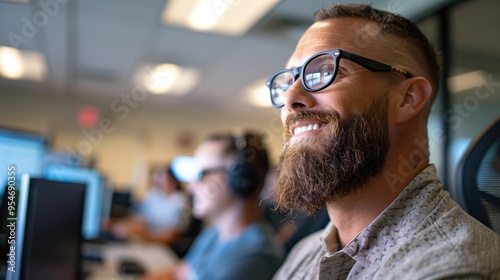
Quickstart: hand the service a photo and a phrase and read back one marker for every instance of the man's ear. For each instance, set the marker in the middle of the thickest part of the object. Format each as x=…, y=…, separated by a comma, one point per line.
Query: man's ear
x=415, y=95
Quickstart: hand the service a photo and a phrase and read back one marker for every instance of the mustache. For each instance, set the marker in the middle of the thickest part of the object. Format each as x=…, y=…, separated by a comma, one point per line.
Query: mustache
x=324, y=116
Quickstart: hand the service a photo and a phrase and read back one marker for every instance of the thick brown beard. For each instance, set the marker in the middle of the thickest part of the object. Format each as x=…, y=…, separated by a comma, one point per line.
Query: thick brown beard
x=335, y=164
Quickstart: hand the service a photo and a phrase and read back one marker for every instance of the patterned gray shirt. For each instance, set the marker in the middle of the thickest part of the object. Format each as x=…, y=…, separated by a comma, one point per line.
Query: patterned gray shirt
x=422, y=234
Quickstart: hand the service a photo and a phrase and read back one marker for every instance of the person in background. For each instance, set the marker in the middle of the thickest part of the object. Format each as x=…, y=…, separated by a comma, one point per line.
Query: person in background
x=238, y=243
x=356, y=96
x=163, y=215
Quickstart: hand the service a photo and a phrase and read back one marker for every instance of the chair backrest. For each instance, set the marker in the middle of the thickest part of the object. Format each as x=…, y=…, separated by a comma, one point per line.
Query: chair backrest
x=478, y=177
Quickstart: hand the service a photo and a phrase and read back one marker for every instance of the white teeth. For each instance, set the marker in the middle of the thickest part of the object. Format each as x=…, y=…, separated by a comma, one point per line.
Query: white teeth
x=301, y=129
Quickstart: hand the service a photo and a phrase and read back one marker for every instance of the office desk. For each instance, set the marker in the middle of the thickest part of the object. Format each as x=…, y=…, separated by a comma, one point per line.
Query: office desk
x=153, y=257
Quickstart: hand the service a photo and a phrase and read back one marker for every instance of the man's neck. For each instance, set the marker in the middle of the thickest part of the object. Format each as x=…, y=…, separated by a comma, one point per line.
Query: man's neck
x=355, y=212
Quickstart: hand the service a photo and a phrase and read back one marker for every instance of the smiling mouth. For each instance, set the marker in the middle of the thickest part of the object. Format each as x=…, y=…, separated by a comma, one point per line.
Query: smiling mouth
x=301, y=129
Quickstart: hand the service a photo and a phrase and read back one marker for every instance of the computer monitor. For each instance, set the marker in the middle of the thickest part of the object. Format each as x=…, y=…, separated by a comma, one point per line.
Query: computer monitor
x=52, y=236
x=47, y=230
x=91, y=227
x=23, y=150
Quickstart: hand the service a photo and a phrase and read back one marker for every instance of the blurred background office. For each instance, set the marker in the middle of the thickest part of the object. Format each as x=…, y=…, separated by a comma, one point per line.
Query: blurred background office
x=101, y=91
x=121, y=85
x=163, y=216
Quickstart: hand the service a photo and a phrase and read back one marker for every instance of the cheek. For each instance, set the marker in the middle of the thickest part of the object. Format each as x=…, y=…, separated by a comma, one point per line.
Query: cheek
x=206, y=194
x=392, y=109
x=350, y=102
x=201, y=204
x=353, y=94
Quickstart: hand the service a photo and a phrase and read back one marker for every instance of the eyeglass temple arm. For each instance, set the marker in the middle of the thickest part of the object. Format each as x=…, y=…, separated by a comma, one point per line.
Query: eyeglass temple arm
x=374, y=65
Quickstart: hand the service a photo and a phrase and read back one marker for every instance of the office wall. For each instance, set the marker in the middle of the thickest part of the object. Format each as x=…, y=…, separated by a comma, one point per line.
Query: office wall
x=126, y=145
x=152, y=133
x=474, y=78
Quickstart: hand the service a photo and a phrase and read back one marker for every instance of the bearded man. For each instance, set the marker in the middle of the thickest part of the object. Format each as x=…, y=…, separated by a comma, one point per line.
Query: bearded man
x=356, y=97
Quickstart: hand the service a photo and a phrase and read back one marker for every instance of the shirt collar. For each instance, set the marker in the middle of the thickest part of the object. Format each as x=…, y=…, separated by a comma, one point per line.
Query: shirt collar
x=329, y=239
x=397, y=217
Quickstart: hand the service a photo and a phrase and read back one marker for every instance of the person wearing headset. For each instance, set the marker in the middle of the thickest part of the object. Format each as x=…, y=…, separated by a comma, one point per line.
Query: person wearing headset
x=238, y=244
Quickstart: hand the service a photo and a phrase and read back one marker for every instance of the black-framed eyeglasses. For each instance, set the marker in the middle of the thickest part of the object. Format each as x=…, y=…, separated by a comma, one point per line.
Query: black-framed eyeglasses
x=204, y=173
x=319, y=72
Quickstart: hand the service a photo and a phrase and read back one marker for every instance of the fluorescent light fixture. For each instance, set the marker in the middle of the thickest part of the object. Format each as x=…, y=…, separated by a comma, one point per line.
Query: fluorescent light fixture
x=18, y=1
x=11, y=63
x=229, y=17
x=167, y=78
x=162, y=78
x=16, y=64
x=203, y=17
x=258, y=94
x=466, y=81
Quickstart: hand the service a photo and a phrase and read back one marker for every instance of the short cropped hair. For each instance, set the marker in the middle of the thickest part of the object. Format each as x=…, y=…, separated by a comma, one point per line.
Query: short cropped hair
x=394, y=25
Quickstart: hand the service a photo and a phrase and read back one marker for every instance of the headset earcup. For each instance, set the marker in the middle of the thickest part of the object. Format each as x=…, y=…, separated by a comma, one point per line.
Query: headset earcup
x=242, y=177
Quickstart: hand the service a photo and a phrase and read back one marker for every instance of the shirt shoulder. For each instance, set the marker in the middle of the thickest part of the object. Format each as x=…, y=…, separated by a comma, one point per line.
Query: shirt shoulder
x=258, y=241
x=451, y=245
x=253, y=255
x=202, y=244
x=302, y=259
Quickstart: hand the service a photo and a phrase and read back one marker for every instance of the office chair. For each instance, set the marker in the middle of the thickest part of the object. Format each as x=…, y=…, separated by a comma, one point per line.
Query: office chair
x=478, y=177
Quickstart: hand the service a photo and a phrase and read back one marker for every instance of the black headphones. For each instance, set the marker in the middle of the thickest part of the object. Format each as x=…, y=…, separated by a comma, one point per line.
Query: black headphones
x=242, y=174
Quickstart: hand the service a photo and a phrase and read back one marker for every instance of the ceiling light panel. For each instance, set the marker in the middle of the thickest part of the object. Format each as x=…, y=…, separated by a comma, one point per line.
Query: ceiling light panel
x=167, y=79
x=17, y=1
x=257, y=94
x=467, y=81
x=16, y=64
x=229, y=17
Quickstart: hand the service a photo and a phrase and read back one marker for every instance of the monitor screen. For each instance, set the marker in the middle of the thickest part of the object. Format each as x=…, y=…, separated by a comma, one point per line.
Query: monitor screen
x=91, y=226
x=24, y=151
x=52, y=235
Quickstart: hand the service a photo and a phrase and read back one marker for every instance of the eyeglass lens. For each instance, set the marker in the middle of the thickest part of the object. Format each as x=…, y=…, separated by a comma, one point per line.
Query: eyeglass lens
x=204, y=173
x=317, y=74
x=319, y=71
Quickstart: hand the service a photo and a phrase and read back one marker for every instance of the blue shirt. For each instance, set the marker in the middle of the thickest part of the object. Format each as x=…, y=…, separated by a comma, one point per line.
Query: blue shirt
x=253, y=255
x=165, y=212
